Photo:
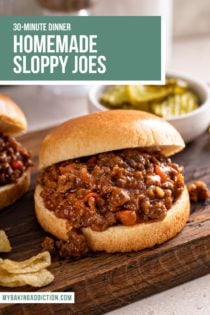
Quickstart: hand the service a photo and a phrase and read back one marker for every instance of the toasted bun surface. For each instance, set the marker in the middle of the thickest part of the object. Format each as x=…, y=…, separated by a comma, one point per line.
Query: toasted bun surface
x=108, y=131
x=10, y=193
x=120, y=238
x=12, y=119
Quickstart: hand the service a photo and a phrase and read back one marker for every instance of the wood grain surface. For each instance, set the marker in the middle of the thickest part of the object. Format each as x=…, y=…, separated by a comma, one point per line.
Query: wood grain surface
x=103, y=282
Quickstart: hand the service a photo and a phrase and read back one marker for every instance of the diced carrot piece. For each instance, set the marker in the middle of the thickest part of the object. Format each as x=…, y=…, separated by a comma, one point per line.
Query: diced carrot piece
x=127, y=217
x=159, y=171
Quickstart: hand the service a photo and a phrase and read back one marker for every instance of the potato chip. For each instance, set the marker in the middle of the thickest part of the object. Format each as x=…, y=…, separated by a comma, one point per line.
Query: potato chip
x=5, y=246
x=32, y=264
x=37, y=279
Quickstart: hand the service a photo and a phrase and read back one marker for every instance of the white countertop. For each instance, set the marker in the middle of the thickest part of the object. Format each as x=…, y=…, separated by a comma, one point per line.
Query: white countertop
x=189, y=55
x=191, y=298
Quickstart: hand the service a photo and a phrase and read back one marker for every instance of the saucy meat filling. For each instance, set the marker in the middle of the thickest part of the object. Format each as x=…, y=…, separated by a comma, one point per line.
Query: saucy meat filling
x=14, y=160
x=198, y=191
x=120, y=187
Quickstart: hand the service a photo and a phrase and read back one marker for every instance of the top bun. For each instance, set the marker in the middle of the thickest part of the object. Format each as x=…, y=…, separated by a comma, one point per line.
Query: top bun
x=12, y=119
x=108, y=131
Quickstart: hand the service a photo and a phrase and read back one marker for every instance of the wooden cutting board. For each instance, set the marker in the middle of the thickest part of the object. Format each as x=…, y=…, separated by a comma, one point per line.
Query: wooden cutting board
x=103, y=282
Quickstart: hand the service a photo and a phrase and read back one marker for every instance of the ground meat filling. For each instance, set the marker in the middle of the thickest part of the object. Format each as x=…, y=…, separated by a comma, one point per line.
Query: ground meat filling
x=198, y=191
x=14, y=160
x=121, y=187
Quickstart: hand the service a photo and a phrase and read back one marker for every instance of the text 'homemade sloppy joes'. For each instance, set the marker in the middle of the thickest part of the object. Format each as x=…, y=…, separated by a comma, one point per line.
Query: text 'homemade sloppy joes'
x=14, y=158
x=107, y=183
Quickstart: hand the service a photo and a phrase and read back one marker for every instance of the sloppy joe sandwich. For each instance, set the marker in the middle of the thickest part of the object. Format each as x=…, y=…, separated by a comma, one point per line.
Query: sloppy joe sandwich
x=107, y=183
x=14, y=158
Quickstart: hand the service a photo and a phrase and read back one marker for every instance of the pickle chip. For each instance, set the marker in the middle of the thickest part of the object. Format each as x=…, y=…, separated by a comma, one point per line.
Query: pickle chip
x=172, y=99
x=176, y=105
x=139, y=94
x=114, y=96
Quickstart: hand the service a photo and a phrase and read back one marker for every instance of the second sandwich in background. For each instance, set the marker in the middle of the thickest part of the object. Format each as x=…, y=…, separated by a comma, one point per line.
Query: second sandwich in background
x=15, y=160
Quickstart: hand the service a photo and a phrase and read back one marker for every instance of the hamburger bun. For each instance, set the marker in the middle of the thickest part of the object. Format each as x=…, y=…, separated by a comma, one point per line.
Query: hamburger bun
x=108, y=131
x=10, y=193
x=119, y=238
x=103, y=132
x=12, y=119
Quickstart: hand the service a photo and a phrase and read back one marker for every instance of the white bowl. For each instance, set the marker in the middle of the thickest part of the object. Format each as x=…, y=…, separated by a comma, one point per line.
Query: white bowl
x=190, y=125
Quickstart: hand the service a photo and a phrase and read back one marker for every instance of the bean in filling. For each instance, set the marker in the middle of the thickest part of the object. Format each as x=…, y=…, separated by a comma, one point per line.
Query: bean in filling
x=120, y=187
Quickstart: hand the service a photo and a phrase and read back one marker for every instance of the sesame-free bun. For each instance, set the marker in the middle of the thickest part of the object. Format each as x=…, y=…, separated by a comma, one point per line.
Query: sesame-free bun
x=108, y=131
x=12, y=119
x=10, y=193
x=119, y=238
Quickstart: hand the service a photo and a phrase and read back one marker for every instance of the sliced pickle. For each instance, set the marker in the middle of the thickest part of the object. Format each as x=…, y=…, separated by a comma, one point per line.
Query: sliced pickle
x=175, y=105
x=172, y=99
x=139, y=94
x=114, y=96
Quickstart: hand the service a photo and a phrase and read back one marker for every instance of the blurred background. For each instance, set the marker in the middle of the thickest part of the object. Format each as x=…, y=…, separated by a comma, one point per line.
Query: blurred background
x=188, y=46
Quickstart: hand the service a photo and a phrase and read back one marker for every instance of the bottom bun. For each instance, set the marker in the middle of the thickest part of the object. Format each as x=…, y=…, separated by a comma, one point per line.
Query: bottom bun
x=10, y=193
x=120, y=238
